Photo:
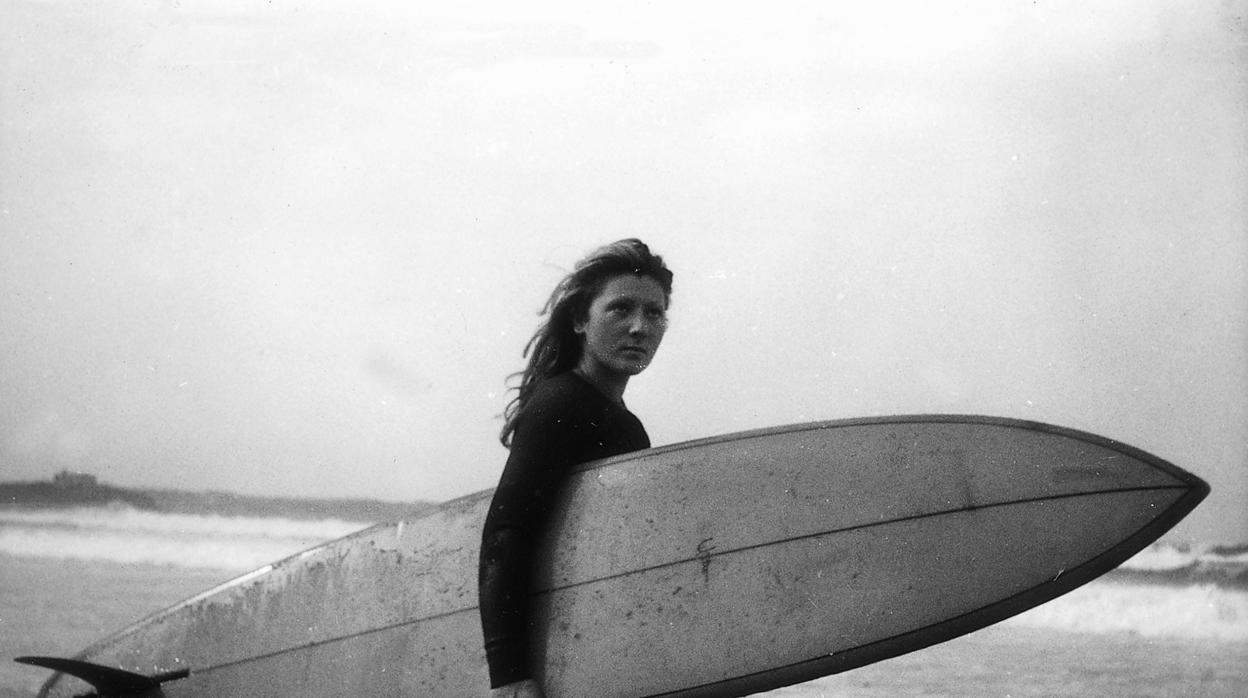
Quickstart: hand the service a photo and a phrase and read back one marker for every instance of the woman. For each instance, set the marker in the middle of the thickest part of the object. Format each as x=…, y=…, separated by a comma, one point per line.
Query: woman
x=605, y=322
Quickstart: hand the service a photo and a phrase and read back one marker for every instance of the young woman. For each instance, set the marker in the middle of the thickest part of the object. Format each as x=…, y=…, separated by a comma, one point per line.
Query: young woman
x=604, y=324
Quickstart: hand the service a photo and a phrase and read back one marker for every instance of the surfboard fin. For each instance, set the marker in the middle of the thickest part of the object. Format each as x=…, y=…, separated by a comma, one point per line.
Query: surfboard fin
x=109, y=682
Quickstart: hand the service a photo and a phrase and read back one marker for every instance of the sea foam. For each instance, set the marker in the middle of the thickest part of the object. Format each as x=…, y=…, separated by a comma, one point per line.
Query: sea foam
x=1196, y=591
x=1203, y=611
x=130, y=536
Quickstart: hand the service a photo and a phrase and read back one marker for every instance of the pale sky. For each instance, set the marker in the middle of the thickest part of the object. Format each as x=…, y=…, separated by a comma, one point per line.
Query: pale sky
x=296, y=249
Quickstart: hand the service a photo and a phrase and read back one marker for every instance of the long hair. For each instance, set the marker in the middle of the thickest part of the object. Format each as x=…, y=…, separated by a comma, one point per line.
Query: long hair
x=556, y=347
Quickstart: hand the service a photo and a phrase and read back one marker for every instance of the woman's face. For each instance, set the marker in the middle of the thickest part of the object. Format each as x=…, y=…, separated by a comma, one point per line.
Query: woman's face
x=624, y=325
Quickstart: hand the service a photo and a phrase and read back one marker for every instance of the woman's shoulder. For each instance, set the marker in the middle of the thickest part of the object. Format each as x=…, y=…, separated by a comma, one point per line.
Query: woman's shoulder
x=561, y=390
x=560, y=402
x=568, y=410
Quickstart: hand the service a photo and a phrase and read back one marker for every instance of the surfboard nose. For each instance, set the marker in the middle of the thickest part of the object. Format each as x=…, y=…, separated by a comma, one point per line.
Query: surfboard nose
x=818, y=478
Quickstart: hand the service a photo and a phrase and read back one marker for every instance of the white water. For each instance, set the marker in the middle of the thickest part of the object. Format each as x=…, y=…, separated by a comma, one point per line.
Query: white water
x=125, y=535
x=1196, y=612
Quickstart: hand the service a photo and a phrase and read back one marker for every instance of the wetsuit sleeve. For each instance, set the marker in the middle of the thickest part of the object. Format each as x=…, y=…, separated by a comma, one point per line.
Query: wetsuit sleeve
x=542, y=448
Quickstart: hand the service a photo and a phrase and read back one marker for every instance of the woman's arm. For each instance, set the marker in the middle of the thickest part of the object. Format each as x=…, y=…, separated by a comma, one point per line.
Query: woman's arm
x=542, y=451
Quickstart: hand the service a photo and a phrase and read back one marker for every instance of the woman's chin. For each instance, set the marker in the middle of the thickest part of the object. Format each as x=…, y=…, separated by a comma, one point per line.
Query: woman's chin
x=632, y=368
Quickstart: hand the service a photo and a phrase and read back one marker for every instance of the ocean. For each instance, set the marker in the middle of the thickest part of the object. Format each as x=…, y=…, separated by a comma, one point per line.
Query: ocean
x=1172, y=621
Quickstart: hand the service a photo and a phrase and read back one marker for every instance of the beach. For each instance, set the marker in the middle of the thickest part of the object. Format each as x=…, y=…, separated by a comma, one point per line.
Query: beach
x=1173, y=624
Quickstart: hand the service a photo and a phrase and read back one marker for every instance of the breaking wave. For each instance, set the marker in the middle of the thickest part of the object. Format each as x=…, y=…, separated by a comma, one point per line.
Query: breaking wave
x=1166, y=590
x=131, y=536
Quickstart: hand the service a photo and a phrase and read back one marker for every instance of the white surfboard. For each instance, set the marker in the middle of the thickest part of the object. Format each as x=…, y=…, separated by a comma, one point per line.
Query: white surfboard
x=718, y=567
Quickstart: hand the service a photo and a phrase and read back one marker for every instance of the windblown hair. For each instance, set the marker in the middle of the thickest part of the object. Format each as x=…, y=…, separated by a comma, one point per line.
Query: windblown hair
x=556, y=347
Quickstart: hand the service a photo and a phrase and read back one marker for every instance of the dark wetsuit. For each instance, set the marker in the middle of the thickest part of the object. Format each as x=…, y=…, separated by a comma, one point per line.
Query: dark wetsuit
x=565, y=422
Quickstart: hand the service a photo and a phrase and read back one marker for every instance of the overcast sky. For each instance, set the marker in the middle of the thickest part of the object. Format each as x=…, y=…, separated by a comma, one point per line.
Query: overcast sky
x=296, y=248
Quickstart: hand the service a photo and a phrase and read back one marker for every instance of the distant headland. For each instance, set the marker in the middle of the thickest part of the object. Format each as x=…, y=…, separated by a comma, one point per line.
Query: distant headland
x=68, y=489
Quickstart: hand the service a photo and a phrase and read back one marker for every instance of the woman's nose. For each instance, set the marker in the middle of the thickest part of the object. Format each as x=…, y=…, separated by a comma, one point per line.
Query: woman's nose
x=638, y=325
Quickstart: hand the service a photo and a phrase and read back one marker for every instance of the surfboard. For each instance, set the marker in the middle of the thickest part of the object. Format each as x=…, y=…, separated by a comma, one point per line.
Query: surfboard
x=717, y=567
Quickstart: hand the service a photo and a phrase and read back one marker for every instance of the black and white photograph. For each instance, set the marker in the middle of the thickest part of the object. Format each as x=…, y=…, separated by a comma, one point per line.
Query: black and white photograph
x=623, y=349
